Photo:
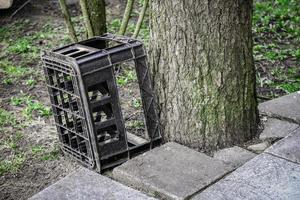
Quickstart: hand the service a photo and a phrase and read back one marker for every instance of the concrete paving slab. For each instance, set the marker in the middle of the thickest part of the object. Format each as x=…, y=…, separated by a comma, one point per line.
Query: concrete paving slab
x=276, y=128
x=260, y=147
x=236, y=156
x=287, y=148
x=287, y=107
x=87, y=185
x=264, y=177
x=171, y=171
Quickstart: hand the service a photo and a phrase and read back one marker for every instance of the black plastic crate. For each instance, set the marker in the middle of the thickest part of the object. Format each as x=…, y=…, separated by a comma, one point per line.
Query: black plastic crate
x=85, y=101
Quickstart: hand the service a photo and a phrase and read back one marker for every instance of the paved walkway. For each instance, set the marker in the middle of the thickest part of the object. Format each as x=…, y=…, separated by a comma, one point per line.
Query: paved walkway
x=274, y=174
x=173, y=171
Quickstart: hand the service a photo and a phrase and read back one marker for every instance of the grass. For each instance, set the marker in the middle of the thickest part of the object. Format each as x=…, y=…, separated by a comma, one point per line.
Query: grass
x=12, y=164
x=126, y=77
x=32, y=107
x=52, y=155
x=12, y=73
x=135, y=124
x=6, y=118
x=36, y=107
x=11, y=142
x=20, y=43
x=31, y=82
x=44, y=153
x=12, y=70
x=15, y=160
x=37, y=150
x=276, y=30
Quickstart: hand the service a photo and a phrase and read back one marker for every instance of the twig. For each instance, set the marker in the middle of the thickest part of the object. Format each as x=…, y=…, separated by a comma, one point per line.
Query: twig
x=126, y=17
x=20, y=8
x=263, y=97
x=141, y=18
x=86, y=17
x=68, y=20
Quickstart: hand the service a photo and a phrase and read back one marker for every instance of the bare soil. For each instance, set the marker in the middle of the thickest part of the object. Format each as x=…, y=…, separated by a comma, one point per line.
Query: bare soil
x=35, y=173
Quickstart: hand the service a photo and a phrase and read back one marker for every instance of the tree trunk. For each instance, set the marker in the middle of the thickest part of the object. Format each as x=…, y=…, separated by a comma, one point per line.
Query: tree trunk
x=203, y=71
x=126, y=17
x=97, y=16
x=68, y=20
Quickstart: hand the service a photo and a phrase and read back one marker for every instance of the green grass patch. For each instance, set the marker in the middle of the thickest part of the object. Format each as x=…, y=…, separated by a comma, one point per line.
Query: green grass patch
x=276, y=30
x=290, y=87
x=11, y=142
x=278, y=16
x=126, y=77
x=12, y=70
x=32, y=107
x=12, y=164
x=22, y=45
x=36, y=107
x=52, y=155
x=135, y=124
x=276, y=20
x=44, y=154
x=6, y=118
x=31, y=82
x=37, y=150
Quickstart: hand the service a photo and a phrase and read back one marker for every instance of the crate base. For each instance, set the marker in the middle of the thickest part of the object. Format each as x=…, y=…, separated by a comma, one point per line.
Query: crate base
x=133, y=151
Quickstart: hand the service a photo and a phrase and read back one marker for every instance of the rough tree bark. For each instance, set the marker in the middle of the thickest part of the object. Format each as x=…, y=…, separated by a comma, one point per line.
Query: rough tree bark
x=97, y=16
x=203, y=71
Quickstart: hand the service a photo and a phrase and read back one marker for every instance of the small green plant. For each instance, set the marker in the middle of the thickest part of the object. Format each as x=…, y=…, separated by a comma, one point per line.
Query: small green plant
x=7, y=81
x=136, y=103
x=135, y=124
x=114, y=25
x=278, y=73
x=11, y=142
x=37, y=150
x=12, y=165
x=271, y=55
x=45, y=154
x=3, y=32
x=18, y=136
x=17, y=101
x=52, y=155
x=292, y=71
x=22, y=45
x=31, y=106
x=39, y=108
x=14, y=71
x=126, y=77
x=290, y=87
x=296, y=54
x=31, y=82
x=6, y=118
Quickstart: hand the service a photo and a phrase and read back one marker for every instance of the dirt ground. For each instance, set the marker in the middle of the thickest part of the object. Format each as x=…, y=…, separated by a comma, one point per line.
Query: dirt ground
x=33, y=161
